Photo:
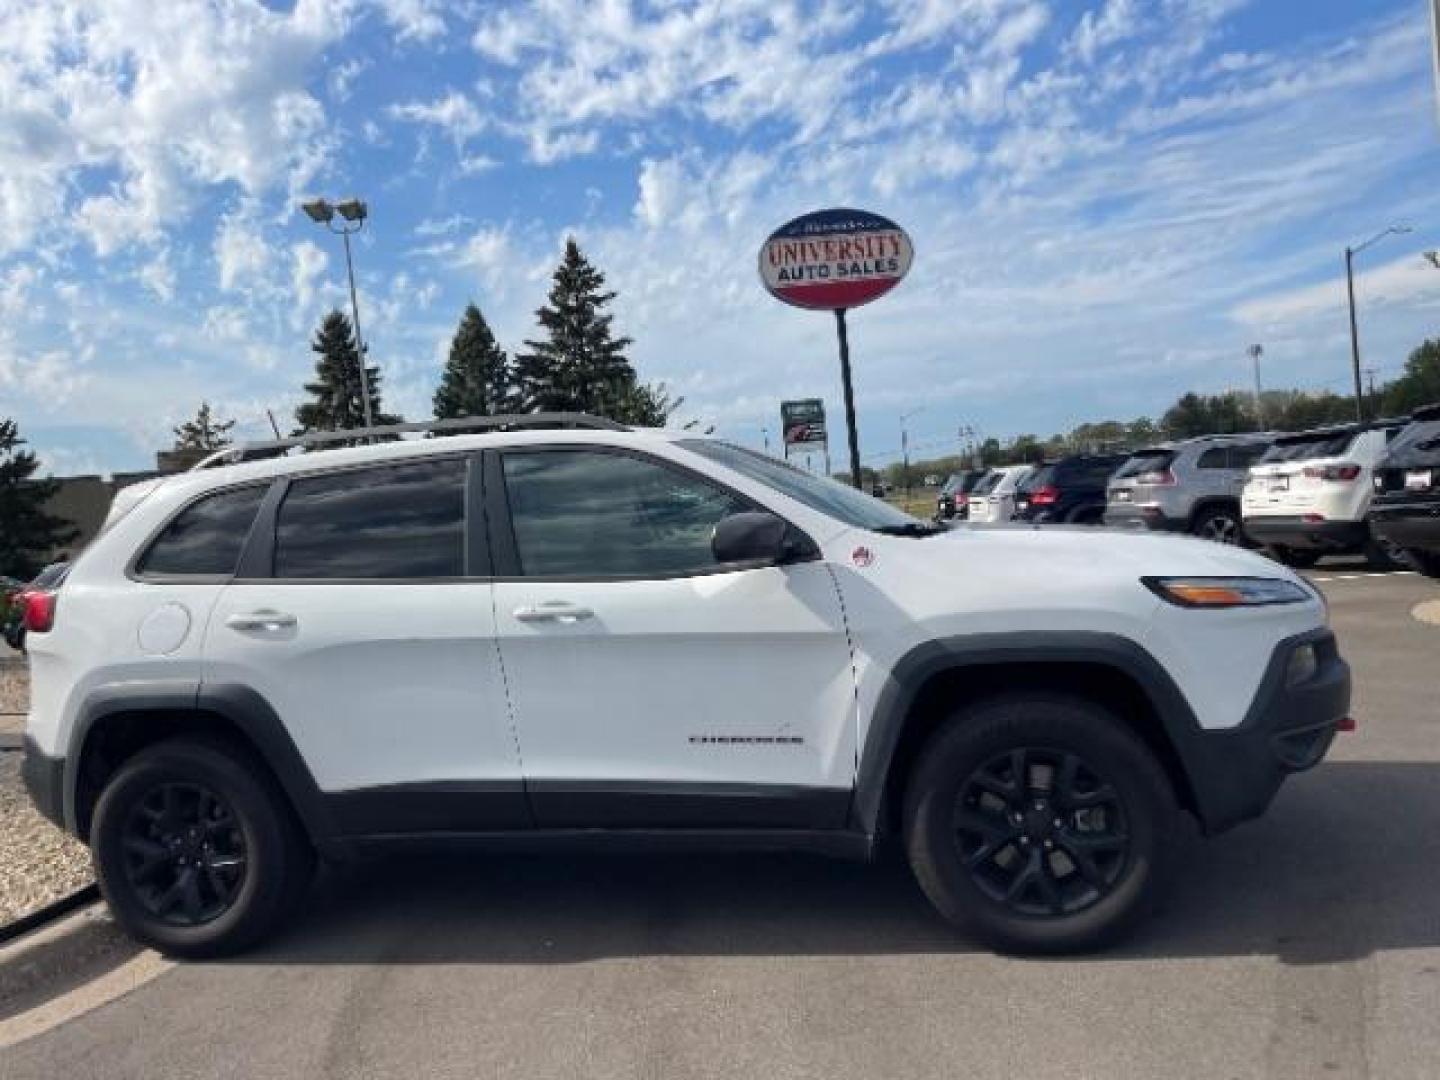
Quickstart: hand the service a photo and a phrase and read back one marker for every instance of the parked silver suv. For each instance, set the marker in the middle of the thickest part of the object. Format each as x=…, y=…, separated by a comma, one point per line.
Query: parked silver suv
x=1193, y=486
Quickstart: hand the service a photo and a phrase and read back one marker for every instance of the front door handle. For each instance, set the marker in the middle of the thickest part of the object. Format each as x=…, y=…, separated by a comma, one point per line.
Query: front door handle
x=261, y=620
x=553, y=611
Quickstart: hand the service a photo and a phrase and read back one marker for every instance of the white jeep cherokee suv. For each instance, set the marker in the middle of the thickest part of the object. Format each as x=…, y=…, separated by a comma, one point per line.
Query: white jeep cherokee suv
x=566, y=631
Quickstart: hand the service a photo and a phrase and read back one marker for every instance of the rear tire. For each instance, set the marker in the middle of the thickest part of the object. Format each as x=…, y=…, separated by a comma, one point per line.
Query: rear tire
x=1220, y=524
x=196, y=850
x=1296, y=558
x=1426, y=562
x=978, y=820
x=1383, y=555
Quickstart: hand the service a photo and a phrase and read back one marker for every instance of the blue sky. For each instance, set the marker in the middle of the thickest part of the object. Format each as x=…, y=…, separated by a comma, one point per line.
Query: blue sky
x=1109, y=199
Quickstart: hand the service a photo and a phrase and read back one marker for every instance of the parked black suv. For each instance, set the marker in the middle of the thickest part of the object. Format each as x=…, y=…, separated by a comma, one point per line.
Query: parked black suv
x=1406, y=509
x=1071, y=490
x=950, y=503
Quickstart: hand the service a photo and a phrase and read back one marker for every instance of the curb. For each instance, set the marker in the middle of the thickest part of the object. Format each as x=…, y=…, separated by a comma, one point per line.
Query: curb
x=49, y=913
x=51, y=958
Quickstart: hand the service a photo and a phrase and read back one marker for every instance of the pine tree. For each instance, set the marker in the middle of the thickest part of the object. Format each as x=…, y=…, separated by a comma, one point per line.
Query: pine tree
x=646, y=405
x=478, y=380
x=205, y=432
x=579, y=367
x=336, y=400
x=28, y=535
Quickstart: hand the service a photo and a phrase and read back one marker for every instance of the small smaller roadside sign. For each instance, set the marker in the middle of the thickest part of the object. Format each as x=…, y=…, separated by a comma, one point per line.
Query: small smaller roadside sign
x=803, y=421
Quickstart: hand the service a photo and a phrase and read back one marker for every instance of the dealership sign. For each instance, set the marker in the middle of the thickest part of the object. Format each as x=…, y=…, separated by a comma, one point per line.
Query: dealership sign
x=835, y=259
x=803, y=421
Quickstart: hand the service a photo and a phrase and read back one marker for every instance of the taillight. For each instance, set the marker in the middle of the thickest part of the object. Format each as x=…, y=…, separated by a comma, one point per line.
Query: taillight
x=1332, y=472
x=1161, y=477
x=1044, y=496
x=39, y=612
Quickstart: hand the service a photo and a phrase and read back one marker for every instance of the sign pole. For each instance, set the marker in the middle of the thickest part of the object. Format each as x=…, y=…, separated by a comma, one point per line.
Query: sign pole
x=849, y=398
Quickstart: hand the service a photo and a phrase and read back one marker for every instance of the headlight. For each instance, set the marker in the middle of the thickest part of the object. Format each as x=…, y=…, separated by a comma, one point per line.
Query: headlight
x=1226, y=592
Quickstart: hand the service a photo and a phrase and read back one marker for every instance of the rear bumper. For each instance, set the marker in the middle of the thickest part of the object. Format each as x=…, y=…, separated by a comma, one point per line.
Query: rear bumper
x=1416, y=525
x=1133, y=516
x=1289, y=727
x=44, y=778
x=1296, y=532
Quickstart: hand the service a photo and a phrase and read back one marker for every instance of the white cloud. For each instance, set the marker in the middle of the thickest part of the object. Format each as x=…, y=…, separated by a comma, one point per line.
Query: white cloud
x=158, y=276
x=414, y=20
x=308, y=263
x=1405, y=281
x=243, y=259
x=454, y=114
x=163, y=99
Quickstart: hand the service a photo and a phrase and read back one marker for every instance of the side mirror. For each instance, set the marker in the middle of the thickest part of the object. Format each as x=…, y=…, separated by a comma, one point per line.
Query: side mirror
x=750, y=537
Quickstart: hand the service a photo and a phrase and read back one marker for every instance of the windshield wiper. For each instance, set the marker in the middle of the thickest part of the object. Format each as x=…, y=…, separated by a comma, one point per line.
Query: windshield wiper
x=910, y=528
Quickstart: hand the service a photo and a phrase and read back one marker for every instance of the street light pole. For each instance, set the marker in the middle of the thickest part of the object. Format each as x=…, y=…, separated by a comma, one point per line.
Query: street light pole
x=905, y=448
x=1350, y=254
x=1257, y=351
x=354, y=212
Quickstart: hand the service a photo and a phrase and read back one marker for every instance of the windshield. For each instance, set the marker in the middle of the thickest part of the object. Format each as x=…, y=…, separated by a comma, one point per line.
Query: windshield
x=828, y=496
x=1305, y=447
x=1146, y=461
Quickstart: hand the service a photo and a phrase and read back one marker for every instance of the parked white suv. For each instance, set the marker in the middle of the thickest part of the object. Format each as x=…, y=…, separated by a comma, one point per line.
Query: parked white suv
x=585, y=633
x=1309, y=494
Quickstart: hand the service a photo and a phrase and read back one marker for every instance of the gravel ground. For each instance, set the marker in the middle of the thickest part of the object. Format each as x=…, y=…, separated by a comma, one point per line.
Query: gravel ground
x=38, y=862
x=14, y=698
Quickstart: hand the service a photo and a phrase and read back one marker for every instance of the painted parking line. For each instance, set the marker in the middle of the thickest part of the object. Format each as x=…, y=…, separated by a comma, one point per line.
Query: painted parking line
x=1360, y=577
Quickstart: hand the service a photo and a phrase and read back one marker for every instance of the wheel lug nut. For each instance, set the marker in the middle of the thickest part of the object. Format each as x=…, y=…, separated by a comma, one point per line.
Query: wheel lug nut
x=1049, y=844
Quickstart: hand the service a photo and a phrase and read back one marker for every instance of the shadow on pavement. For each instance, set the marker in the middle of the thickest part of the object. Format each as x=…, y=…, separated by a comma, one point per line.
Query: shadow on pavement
x=1347, y=863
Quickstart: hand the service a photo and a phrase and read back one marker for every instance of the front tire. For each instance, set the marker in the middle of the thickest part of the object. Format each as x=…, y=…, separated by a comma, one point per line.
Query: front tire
x=1384, y=555
x=196, y=851
x=1040, y=823
x=1427, y=562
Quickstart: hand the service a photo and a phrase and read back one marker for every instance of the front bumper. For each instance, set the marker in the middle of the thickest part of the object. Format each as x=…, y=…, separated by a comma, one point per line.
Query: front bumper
x=1296, y=532
x=44, y=778
x=1235, y=772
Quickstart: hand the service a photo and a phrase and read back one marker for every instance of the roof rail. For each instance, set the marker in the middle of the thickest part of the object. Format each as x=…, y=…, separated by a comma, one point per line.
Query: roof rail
x=253, y=451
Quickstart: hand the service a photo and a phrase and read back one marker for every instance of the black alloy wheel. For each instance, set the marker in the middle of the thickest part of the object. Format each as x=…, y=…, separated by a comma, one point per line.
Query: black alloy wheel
x=1040, y=822
x=196, y=848
x=185, y=855
x=1221, y=526
x=1041, y=831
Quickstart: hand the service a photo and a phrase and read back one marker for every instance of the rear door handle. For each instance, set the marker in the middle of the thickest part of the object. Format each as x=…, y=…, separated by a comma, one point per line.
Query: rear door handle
x=261, y=620
x=553, y=611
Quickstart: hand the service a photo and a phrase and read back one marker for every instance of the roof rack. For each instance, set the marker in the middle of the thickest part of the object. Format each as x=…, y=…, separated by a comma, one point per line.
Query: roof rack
x=254, y=451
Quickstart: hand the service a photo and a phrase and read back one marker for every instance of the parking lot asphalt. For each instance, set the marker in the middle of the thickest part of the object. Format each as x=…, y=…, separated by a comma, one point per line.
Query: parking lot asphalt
x=1306, y=944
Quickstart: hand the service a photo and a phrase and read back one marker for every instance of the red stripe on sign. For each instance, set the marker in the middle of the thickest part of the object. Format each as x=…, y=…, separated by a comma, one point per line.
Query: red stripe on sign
x=836, y=294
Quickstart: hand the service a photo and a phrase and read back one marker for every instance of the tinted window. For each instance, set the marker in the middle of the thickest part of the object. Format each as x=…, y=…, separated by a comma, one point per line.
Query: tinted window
x=1242, y=457
x=403, y=521
x=1043, y=476
x=583, y=513
x=987, y=483
x=1217, y=457
x=205, y=538
x=1146, y=461
x=1305, y=447
x=1086, y=472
